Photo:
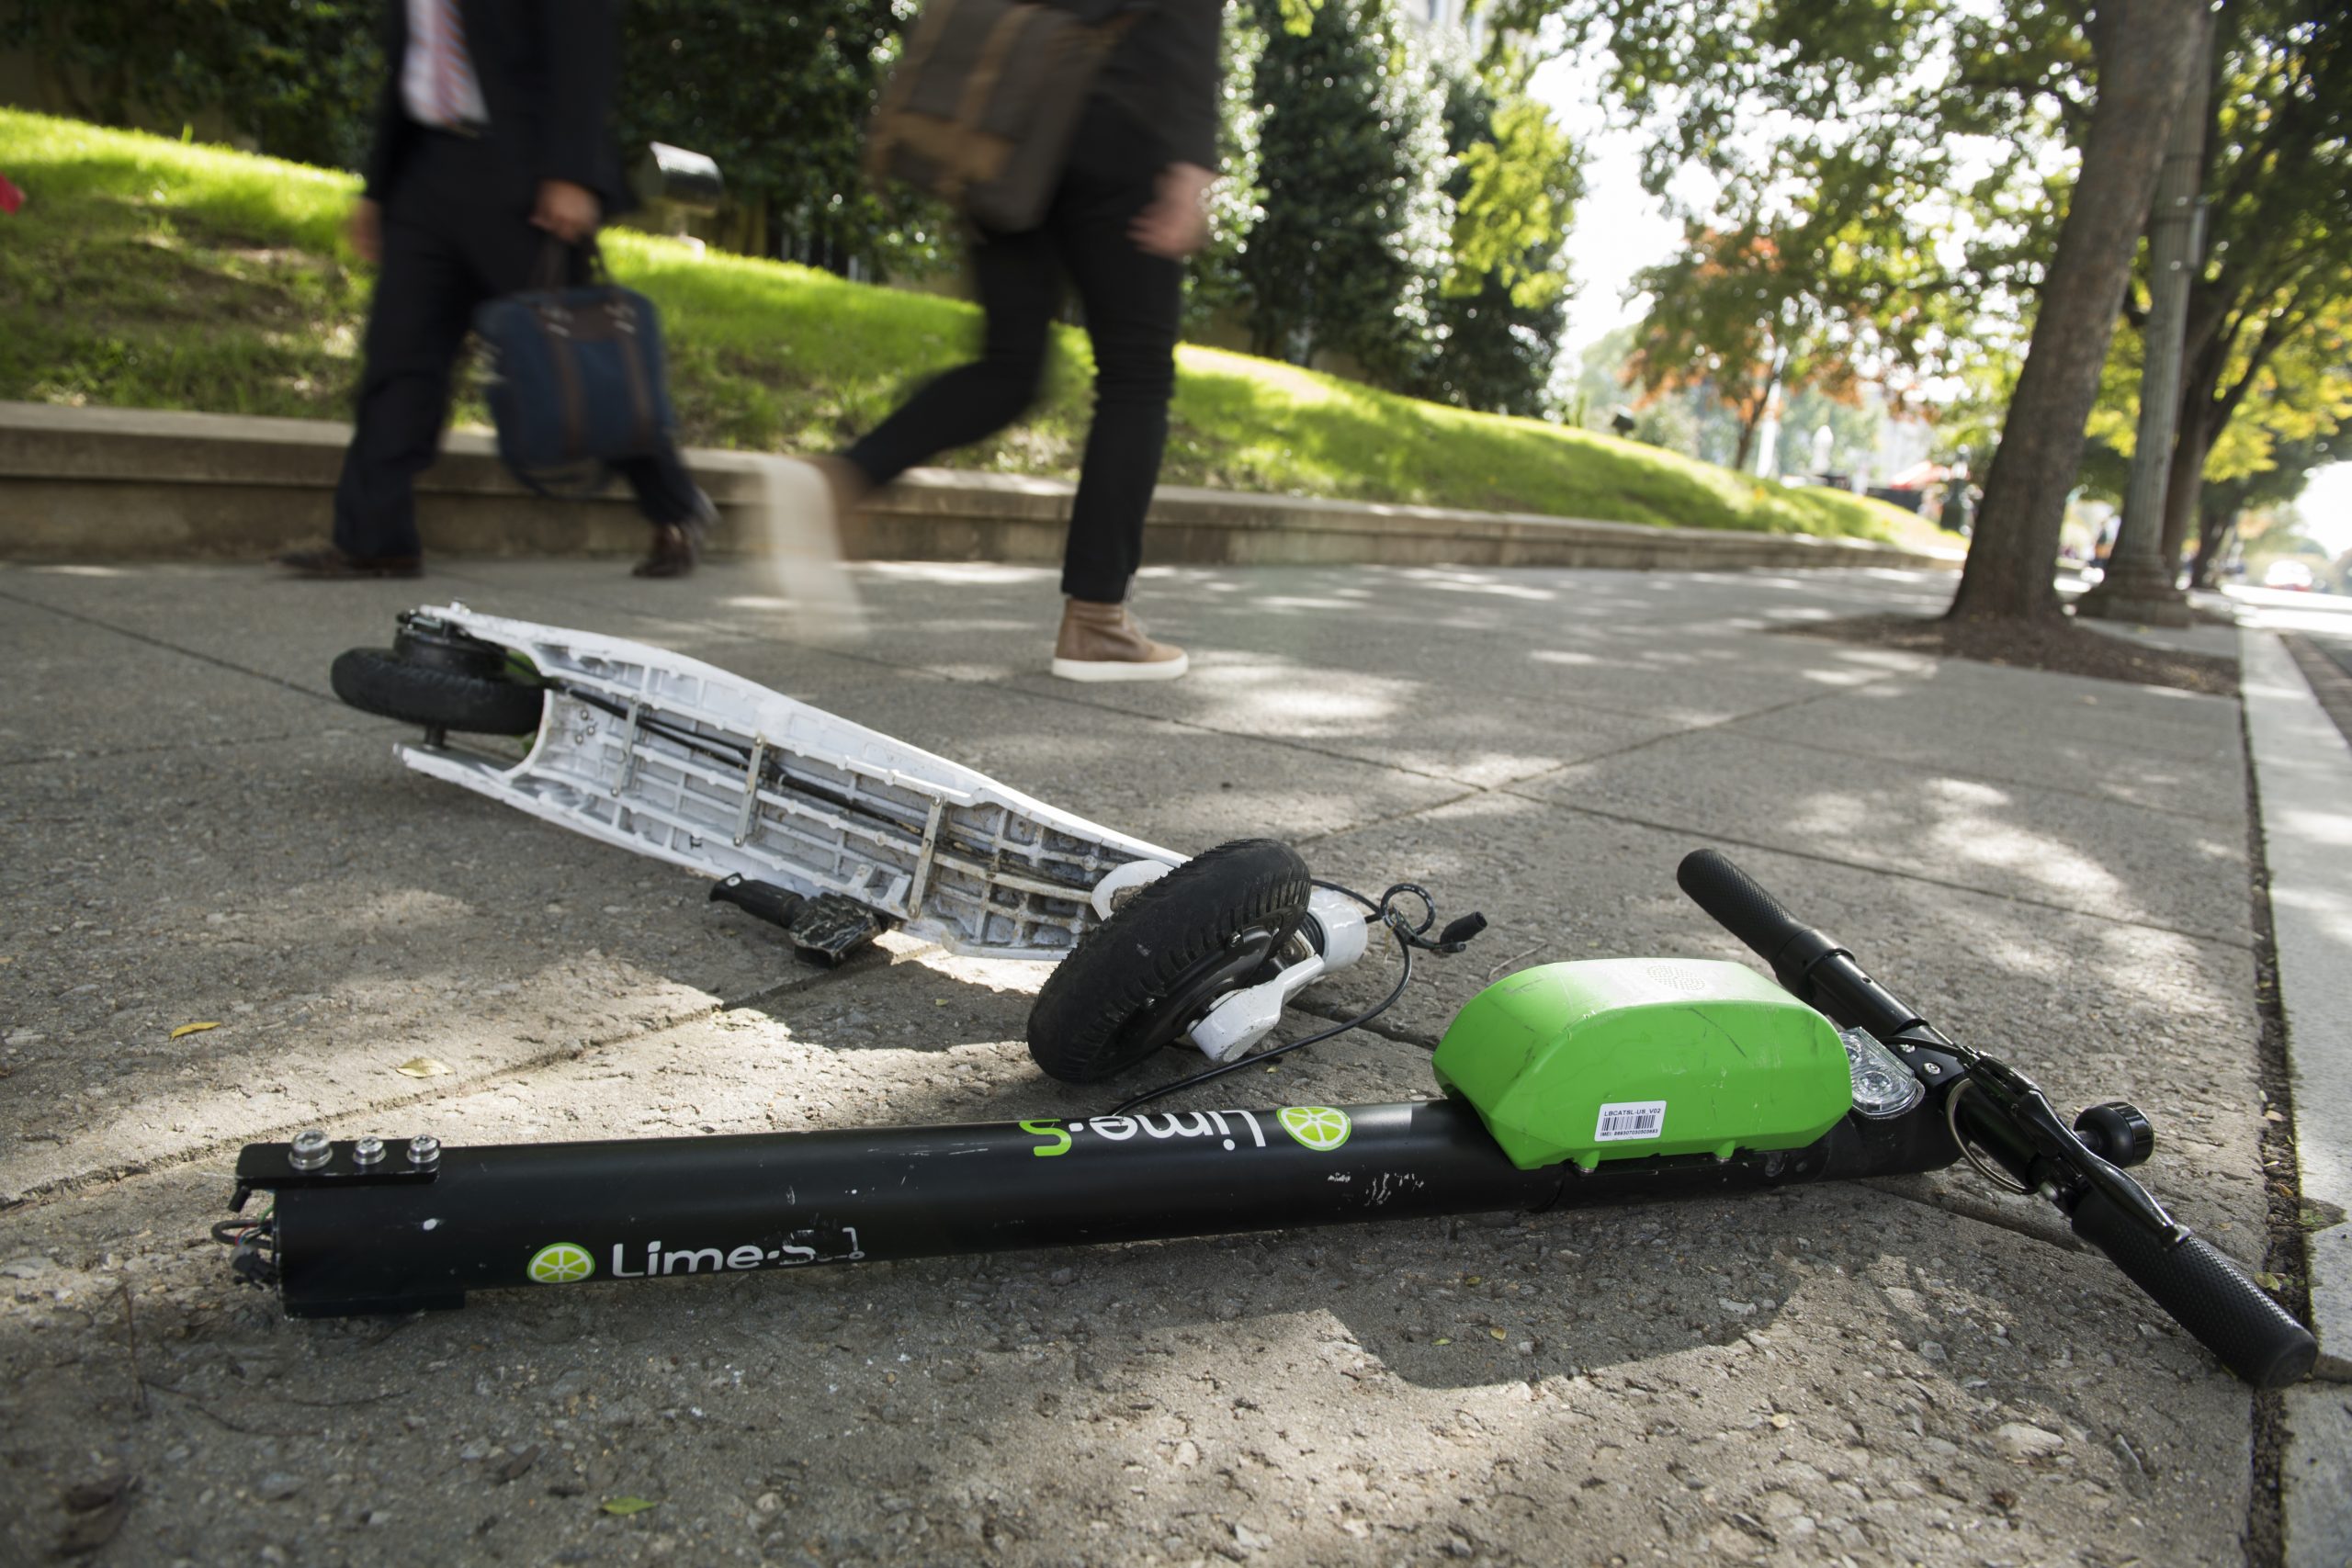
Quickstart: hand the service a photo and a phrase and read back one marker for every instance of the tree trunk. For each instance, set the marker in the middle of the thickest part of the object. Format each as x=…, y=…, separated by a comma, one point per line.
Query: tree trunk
x=2184, y=490
x=1753, y=416
x=2213, y=532
x=2144, y=50
x=1750, y=418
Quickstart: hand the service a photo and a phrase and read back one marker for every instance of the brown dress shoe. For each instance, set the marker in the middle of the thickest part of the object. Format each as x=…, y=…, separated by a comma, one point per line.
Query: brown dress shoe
x=673, y=554
x=678, y=545
x=326, y=563
x=1104, y=642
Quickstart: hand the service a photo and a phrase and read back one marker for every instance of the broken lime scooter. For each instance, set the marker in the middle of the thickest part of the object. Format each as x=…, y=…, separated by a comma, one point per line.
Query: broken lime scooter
x=1566, y=1085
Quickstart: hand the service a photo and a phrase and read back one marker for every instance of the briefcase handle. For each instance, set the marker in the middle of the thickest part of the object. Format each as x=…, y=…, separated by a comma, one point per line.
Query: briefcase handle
x=555, y=268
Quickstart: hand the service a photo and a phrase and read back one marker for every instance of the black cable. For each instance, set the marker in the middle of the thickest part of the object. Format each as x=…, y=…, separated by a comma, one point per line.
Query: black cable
x=1147, y=1096
x=1409, y=937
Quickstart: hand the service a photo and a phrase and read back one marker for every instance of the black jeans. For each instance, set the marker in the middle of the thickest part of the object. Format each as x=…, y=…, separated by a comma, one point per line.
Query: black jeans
x=452, y=239
x=1132, y=302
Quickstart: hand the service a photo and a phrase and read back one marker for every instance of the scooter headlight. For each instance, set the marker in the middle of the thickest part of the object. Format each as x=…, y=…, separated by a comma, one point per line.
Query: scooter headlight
x=1884, y=1087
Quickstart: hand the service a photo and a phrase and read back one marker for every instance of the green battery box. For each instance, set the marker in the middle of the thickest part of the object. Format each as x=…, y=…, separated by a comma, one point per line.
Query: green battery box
x=1626, y=1059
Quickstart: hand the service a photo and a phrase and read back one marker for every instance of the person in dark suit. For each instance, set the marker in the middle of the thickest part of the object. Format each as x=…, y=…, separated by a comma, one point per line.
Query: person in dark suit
x=491, y=145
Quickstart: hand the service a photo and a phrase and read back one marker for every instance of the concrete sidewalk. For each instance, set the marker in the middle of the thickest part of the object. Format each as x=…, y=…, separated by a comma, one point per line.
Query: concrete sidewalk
x=194, y=831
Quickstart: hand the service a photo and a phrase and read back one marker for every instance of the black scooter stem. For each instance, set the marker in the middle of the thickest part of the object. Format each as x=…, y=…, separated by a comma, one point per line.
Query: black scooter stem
x=395, y=1234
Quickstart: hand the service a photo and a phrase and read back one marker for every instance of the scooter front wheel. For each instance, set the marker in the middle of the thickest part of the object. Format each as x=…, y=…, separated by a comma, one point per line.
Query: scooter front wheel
x=1148, y=974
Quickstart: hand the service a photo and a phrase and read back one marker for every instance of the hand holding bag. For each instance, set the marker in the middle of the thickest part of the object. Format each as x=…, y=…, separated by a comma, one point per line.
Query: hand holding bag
x=576, y=378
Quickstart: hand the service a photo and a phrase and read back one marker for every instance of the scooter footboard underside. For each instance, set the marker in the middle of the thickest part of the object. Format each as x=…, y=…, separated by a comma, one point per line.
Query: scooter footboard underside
x=672, y=758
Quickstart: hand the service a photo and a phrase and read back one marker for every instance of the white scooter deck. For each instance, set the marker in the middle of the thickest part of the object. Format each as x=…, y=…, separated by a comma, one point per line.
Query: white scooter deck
x=672, y=758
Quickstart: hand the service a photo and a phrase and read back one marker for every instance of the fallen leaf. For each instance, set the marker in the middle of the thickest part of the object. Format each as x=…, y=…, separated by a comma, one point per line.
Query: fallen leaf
x=96, y=1509
x=1496, y=1334
x=519, y=1464
x=1440, y=1341
x=193, y=1028
x=2269, y=1281
x=84, y=1496
x=86, y=1532
x=422, y=1067
x=624, y=1506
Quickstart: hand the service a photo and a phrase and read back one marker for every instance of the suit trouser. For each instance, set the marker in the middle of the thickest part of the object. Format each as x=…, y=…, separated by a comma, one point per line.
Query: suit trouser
x=452, y=237
x=1133, y=302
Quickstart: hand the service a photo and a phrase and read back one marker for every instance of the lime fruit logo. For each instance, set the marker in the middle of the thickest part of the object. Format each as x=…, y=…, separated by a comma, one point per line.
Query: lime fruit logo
x=561, y=1264
x=1318, y=1127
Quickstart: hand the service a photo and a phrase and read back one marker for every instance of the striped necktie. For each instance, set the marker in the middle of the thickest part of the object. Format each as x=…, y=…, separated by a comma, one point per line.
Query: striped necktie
x=450, y=68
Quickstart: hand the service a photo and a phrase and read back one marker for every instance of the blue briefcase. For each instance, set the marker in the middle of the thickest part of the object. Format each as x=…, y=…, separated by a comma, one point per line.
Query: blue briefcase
x=575, y=374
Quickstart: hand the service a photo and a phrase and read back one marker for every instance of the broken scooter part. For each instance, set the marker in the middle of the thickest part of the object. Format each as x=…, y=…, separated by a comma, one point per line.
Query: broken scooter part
x=836, y=833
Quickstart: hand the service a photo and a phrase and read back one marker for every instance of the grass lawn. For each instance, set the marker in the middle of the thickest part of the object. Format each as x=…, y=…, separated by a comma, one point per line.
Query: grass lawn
x=143, y=271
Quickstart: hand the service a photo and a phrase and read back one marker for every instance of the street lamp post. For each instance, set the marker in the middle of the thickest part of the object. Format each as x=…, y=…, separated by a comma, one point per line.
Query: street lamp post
x=2140, y=585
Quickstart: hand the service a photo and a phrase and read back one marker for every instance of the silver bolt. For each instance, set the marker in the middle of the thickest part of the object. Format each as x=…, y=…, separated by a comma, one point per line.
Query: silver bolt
x=311, y=1150
x=367, y=1151
x=425, y=1149
x=1931, y=1069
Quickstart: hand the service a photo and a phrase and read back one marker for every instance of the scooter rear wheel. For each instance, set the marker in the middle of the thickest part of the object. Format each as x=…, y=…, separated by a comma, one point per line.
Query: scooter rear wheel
x=1141, y=979
x=378, y=681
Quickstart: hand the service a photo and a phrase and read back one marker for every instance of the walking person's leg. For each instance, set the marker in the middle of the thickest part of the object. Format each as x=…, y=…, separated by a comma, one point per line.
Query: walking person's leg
x=1020, y=287
x=1134, y=303
x=417, y=323
x=674, y=505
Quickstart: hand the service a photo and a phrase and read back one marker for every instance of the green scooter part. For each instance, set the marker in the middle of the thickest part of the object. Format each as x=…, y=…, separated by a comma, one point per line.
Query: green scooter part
x=1627, y=1058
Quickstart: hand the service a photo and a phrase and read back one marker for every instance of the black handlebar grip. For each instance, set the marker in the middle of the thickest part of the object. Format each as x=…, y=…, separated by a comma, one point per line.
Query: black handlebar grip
x=2205, y=1292
x=1736, y=903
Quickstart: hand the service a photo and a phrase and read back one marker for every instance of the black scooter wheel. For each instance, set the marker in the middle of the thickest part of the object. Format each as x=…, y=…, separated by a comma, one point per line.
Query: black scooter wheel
x=377, y=681
x=1143, y=977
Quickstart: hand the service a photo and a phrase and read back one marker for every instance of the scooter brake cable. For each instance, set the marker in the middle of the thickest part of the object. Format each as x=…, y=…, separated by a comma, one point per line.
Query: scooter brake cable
x=1408, y=936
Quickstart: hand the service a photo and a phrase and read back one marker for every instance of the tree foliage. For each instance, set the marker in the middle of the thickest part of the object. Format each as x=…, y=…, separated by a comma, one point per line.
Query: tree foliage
x=1216, y=280
x=299, y=76
x=1731, y=314
x=779, y=96
x=1496, y=325
x=2277, y=279
x=1952, y=171
x=1352, y=251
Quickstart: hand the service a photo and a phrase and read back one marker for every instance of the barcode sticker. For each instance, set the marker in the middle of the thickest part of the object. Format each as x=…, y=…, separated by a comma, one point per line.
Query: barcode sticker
x=1630, y=1119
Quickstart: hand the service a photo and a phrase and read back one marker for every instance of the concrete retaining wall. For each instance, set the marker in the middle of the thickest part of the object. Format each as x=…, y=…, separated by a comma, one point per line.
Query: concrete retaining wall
x=109, y=484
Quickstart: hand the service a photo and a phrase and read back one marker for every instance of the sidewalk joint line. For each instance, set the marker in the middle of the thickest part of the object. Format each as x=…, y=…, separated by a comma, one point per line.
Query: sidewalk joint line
x=169, y=646
x=1718, y=836
x=104, y=753
x=2067, y=790
x=71, y=1183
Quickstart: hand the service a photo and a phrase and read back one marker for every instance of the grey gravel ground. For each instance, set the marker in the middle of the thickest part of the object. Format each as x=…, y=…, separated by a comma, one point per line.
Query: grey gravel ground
x=193, y=831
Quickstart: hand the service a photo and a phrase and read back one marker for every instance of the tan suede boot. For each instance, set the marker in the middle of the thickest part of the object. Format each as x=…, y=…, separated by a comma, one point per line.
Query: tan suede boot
x=848, y=484
x=1102, y=642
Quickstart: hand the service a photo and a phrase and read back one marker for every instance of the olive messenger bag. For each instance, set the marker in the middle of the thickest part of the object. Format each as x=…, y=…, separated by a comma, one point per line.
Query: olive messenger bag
x=575, y=376
x=982, y=110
